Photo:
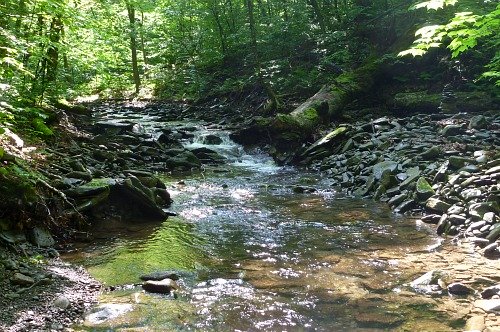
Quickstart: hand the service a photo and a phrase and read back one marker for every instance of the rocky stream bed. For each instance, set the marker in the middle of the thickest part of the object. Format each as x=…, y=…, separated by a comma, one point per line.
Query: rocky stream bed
x=444, y=169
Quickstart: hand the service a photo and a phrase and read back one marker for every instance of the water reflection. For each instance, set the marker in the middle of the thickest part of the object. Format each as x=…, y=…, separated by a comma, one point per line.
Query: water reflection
x=263, y=257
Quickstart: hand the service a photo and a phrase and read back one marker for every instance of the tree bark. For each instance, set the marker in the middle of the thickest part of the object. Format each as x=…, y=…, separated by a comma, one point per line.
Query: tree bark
x=133, y=46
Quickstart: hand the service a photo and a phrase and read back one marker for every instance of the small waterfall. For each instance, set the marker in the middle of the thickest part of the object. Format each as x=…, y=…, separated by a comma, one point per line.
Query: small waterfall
x=220, y=142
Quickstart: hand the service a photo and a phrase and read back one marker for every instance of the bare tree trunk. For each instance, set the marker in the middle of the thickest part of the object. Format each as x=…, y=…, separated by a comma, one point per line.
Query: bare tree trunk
x=273, y=99
x=133, y=46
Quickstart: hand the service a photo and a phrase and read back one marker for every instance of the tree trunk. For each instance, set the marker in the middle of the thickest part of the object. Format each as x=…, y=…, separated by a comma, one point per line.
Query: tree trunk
x=273, y=99
x=133, y=46
x=143, y=46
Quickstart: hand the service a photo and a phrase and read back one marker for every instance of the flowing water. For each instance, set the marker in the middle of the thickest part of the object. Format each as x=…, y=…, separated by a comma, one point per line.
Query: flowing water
x=262, y=248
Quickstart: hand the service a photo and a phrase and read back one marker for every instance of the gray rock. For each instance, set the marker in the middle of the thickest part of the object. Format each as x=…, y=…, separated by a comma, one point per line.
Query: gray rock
x=494, y=234
x=479, y=241
x=380, y=168
x=211, y=140
x=478, y=122
x=451, y=130
x=431, y=218
x=456, y=219
x=22, y=280
x=432, y=153
x=412, y=173
x=478, y=210
x=164, y=286
x=396, y=200
x=443, y=225
x=458, y=288
x=493, y=170
x=109, y=311
x=491, y=249
x=425, y=282
x=366, y=188
x=405, y=206
x=470, y=194
x=79, y=175
x=489, y=292
x=61, y=302
x=438, y=205
x=10, y=264
x=41, y=237
x=490, y=217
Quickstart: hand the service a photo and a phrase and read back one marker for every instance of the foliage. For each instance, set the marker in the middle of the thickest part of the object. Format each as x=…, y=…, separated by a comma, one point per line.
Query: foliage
x=464, y=31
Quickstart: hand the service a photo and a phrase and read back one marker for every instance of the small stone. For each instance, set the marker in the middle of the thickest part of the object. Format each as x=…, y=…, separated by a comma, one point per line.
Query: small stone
x=458, y=288
x=61, y=302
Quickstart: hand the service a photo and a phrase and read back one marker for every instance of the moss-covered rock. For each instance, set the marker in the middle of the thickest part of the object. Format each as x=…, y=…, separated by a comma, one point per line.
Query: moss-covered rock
x=418, y=101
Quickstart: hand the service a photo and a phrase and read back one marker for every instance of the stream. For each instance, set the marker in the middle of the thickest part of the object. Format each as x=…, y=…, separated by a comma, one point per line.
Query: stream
x=260, y=247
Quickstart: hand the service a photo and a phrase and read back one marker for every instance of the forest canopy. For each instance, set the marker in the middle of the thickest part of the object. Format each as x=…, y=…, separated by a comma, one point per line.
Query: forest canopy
x=189, y=49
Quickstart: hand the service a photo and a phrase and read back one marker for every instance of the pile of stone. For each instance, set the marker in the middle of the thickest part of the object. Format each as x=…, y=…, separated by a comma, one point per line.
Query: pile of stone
x=447, y=167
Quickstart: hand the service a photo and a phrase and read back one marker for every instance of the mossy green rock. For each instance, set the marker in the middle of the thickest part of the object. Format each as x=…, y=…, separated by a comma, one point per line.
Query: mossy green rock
x=424, y=189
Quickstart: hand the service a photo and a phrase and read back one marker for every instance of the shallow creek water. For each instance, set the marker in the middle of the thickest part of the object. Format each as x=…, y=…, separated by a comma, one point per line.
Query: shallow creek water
x=255, y=255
